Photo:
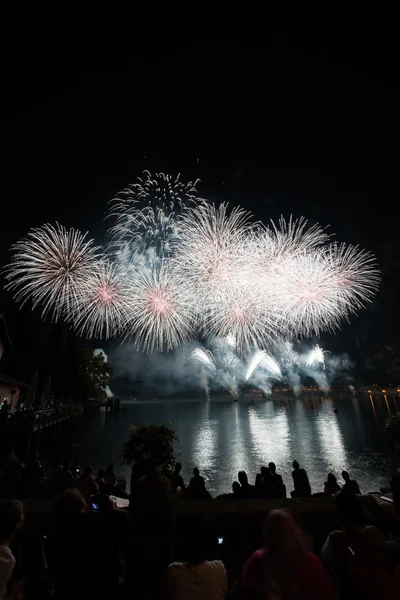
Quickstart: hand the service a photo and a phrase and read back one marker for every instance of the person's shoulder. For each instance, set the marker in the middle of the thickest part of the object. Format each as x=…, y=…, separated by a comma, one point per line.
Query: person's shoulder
x=177, y=566
x=216, y=565
x=257, y=556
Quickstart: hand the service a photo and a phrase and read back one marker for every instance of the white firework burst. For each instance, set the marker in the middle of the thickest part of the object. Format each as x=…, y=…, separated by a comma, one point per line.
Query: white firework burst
x=49, y=266
x=162, y=314
x=145, y=213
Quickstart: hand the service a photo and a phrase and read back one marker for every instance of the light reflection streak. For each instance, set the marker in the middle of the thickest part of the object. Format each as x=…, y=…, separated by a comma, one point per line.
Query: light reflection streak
x=373, y=408
x=204, y=446
x=239, y=453
x=331, y=440
x=270, y=435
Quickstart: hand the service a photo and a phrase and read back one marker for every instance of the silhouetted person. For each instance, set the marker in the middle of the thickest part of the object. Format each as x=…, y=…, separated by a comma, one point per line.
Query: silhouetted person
x=257, y=483
x=197, y=487
x=350, y=485
x=331, y=486
x=11, y=519
x=277, y=485
x=267, y=483
x=176, y=479
x=196, y=476
x=302, y=487
x=234, y=495
x=236, y=489
x=246, y=490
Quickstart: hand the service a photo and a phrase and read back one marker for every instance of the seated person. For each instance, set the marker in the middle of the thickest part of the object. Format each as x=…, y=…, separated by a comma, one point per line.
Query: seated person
x=284, y=568
x=302, y=488
x=278, y=488
x=176, y=479
x=367, y=544
x=331, y=485
x=246, y=490
x=197, y=578
x=350, y=485
x=197, y=487
x=234, y=495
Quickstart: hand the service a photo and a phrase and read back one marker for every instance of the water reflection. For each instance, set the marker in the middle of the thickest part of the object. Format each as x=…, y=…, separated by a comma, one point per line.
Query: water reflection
x=240, y=456
x=331, y=441
x=204, y=444
x=270, y=434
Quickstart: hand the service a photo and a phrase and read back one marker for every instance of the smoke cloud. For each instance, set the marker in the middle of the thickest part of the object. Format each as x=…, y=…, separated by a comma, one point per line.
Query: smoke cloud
x=217, y=368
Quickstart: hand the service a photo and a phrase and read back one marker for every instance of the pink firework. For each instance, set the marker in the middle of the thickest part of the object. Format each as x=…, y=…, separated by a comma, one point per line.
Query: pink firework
x=101, y=308
x=161, y=315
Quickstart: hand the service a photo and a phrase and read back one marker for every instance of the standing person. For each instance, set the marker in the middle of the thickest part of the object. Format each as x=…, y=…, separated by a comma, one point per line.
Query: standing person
x=176, y=479
x=350, y=485
x=11, y=519
x=302, y=488
x=331, y=486
x=197, y=578
x=284, y=568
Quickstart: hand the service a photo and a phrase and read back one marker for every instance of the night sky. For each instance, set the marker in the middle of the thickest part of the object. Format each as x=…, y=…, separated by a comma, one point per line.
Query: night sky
x=281, y=130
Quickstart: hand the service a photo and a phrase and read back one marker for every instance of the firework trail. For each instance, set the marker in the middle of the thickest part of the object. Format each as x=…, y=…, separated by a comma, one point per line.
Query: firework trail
x=49, y=266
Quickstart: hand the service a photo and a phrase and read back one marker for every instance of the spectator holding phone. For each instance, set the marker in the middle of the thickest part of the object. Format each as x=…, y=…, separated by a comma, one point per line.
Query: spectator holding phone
x=197, y=578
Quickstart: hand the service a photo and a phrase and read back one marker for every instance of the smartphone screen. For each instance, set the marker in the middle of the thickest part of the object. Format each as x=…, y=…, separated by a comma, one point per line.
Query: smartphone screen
x=220, y=540
x=95, y=506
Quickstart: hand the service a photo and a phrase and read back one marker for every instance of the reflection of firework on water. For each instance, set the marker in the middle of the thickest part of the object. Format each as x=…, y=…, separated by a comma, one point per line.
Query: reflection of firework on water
x=145, y=213
x=187, y=268
x=161, y=315
x=102, y=302
x=49, y=266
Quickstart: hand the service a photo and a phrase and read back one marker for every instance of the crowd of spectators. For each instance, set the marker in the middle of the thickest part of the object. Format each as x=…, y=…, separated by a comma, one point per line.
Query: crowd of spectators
x=94, y=548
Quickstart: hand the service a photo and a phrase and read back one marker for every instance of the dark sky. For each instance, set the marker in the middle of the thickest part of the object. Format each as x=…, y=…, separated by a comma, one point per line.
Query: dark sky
x=308, y=130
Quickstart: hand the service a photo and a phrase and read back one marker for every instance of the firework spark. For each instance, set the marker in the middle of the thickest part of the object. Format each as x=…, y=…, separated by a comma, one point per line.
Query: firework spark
x=49, y=266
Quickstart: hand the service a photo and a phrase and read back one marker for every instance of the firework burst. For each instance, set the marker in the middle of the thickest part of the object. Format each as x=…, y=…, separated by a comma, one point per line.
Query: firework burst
x=162, y=316
x=180, y=267
x=146, y=211
x=49, y=266
x=101, y=307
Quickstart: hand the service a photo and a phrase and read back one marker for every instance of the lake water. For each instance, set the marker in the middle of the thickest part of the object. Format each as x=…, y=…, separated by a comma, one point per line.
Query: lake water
x=222, y=437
